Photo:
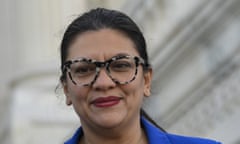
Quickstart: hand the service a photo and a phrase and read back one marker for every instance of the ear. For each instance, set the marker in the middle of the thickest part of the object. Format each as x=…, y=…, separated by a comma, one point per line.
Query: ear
x=66, y=92
x=148, y=82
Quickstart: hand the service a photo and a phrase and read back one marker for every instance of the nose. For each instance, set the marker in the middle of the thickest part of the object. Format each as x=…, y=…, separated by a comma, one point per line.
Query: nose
x=103, y=81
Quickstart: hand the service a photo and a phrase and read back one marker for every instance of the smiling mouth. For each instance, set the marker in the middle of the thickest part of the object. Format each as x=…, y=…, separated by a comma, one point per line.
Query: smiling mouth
x=106, y=101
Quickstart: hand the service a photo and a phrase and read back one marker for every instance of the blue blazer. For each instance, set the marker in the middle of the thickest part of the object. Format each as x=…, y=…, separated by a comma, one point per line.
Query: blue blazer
x=155, y=136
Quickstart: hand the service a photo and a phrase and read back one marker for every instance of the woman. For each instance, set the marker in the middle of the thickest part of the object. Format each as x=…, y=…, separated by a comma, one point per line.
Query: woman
x=105, y=76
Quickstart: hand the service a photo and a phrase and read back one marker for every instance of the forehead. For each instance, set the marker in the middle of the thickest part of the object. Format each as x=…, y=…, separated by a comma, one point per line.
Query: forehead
x=101, y=44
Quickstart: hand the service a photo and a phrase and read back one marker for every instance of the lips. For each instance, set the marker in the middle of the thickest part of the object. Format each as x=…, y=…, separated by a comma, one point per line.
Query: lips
x=106, y=101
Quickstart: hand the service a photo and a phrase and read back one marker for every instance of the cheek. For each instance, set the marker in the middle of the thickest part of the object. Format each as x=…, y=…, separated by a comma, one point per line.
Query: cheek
x=135, y=88
x=74, y=90
x=76, y=93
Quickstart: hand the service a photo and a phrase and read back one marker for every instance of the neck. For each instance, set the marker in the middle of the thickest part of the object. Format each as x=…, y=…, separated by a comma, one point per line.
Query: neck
x=141, y=139
x=132, y=134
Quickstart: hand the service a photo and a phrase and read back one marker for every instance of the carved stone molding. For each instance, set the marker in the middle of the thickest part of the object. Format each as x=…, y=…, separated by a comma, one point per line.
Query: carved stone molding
x=221, y=99
x=215, y=32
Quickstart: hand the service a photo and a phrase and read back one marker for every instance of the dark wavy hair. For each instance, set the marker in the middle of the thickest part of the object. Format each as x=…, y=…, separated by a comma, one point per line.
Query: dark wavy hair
x=101, y=18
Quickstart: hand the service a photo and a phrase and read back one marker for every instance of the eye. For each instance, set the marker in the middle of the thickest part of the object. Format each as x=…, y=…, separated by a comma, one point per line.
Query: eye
x=83, y=68
x=121, y=65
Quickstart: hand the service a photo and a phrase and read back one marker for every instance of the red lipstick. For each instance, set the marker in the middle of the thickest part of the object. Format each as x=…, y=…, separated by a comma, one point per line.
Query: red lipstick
x=106, y=101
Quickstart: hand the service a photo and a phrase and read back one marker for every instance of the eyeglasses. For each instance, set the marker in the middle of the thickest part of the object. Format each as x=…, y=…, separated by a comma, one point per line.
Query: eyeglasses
x=121, y=69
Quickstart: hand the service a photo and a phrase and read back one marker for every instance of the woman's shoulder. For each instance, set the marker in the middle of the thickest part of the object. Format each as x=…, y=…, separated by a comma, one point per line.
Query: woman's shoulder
x=155, y=135
x=179, y=139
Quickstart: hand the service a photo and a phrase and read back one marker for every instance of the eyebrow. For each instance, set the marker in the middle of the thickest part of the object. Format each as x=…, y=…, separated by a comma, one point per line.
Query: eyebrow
x=121, y=54
x=117, y=55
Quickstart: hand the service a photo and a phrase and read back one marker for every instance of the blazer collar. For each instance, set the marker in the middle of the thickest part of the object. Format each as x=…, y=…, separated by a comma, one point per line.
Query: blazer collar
x=154, y=134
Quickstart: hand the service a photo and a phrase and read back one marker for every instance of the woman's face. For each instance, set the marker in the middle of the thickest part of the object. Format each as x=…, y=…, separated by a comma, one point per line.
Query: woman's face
x=105, y=103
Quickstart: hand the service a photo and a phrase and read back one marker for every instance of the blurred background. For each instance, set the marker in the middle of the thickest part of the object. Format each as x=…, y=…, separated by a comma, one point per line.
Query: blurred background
x=194, y=47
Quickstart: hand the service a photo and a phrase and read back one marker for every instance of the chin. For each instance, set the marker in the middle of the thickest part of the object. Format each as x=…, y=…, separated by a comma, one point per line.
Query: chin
x=110, y=121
